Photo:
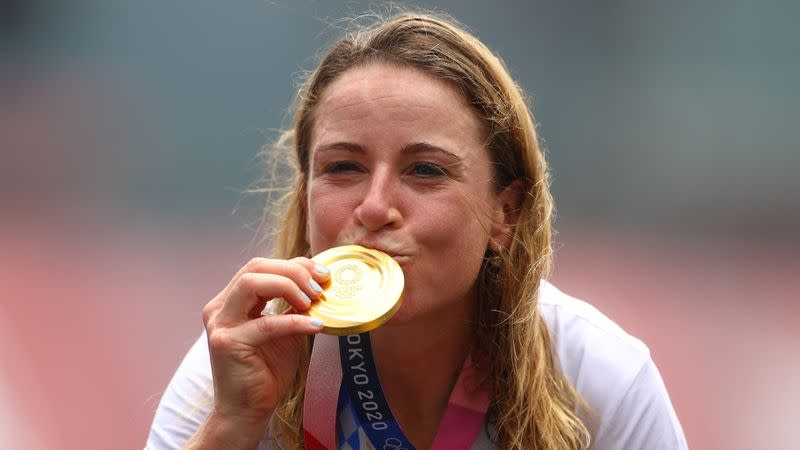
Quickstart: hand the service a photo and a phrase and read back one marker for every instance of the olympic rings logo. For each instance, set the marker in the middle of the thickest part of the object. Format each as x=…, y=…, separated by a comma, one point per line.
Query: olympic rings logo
x=393, y=444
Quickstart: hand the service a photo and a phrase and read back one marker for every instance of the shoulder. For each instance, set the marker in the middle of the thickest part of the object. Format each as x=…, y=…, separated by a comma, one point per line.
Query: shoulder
x=186, y=402
x=583, y=335
x=614, y=372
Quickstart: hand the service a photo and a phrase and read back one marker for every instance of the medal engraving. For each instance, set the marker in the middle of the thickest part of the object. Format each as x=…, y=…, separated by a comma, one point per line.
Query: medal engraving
x=364, y=291
x=347, y=279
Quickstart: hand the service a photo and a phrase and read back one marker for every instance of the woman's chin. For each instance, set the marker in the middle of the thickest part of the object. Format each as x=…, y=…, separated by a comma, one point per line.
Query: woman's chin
x=410, y=312
x=403, y=316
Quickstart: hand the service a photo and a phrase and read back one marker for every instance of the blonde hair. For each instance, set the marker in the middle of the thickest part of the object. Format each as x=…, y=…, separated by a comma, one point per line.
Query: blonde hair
x=534, y=405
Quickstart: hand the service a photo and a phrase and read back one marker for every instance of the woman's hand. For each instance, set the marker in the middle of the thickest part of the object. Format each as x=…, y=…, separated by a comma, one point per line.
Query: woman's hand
x=254, y=358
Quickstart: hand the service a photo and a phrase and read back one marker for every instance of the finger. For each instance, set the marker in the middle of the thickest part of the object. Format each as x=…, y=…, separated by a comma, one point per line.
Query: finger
x=211, y=308
x=307, y=274
x=304, y=272
x=252, y=289
x=318, y=271
x=260, y=331
x=258, y=309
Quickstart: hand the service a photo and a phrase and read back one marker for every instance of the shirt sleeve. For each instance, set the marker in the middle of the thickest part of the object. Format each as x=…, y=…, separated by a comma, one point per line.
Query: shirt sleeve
x=644, y=418
x=186, y=402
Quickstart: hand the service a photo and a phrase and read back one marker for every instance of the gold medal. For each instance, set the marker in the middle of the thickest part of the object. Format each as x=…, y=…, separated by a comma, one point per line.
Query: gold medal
x=364, y=291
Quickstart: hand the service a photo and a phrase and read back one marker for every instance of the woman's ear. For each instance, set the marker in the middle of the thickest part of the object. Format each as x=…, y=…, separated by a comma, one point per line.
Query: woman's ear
x=506, y=214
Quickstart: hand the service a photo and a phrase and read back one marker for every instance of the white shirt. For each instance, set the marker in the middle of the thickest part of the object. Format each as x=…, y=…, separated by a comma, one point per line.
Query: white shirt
x=610, y=369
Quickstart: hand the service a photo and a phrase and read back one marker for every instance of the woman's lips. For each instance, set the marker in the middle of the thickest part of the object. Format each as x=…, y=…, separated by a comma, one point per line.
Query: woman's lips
x=402, y=258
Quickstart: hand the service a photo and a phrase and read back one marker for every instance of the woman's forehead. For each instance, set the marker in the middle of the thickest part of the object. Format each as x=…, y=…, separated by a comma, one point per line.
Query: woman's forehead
x=394, y=101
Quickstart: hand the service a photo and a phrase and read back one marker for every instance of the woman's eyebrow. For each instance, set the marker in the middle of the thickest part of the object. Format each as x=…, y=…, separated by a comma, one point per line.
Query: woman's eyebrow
x=410, y=149
x=347, y=146
x=426, y=147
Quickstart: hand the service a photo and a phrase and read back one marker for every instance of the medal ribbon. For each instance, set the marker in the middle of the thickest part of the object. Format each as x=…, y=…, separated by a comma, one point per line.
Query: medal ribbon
x=354, y=381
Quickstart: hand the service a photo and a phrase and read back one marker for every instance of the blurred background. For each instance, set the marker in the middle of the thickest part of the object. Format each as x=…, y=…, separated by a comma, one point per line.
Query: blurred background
x=129, y=132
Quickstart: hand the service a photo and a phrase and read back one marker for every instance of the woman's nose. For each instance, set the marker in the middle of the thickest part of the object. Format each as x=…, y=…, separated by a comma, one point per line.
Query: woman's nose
x=379, y=207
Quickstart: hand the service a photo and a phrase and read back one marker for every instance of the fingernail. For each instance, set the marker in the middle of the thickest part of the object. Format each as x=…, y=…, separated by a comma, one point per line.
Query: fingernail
x=321, y=269
x=315, y=286
x=316, y=323
x=305, y=298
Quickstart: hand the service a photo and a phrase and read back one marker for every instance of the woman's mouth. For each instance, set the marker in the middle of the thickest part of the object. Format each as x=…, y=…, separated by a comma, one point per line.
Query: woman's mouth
x=402, y=257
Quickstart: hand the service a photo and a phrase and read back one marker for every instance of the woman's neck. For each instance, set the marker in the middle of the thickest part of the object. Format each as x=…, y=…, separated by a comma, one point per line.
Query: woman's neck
x=418, y=364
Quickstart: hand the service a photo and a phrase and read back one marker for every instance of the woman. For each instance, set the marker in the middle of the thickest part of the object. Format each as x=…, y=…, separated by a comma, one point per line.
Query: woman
x=411, y=138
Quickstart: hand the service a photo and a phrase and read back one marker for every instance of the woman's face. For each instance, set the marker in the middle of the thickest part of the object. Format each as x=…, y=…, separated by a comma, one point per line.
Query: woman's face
x=398, y=164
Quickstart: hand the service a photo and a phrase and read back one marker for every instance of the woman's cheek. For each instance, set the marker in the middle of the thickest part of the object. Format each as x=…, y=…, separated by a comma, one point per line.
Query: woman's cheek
x=327, y=216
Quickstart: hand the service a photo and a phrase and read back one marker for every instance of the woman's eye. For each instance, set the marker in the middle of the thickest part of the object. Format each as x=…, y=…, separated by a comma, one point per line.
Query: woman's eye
x=427, y=170
x=343, y=167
